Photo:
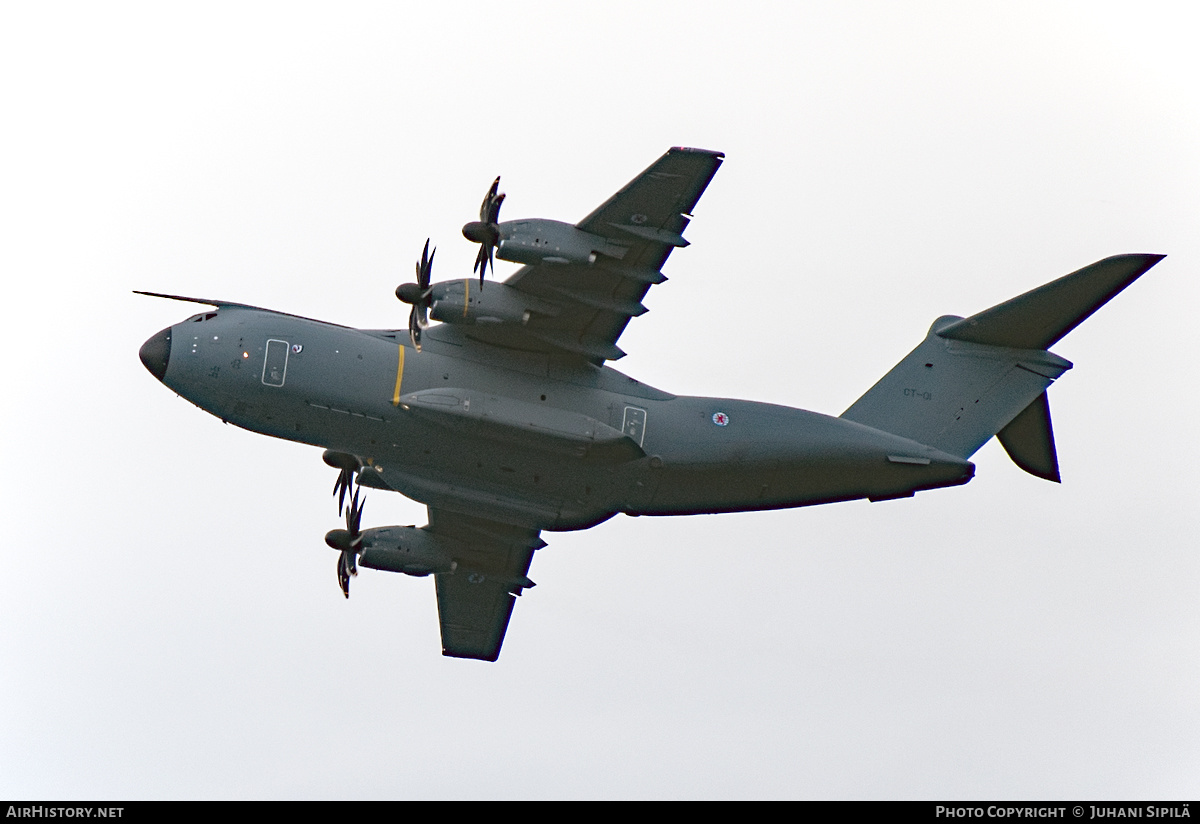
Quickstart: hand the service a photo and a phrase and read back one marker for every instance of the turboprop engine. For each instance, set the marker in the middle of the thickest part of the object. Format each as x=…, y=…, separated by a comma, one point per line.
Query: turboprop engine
x=404, y=549
x=461, y=302
x=534, y=242
x=552, y=241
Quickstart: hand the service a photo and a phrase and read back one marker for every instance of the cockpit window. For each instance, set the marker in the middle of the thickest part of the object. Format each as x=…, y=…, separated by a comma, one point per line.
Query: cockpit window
x=202, y=318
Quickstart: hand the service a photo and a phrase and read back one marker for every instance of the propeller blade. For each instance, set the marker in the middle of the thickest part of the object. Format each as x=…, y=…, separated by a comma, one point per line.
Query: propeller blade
x=491, y=262
x=425, y=266
x=343, y=574
x=414, y=329
x=345, y=480
x=354, y=517
x=490, y=208
x=481, y=261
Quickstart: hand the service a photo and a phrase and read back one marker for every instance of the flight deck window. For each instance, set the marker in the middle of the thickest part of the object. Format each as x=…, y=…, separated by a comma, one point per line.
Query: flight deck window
x=275, y=365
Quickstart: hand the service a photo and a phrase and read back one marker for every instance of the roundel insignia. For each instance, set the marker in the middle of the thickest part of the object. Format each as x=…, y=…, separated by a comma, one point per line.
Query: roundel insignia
x=720, y=419
x=638, y=219
x=476, y=578
x=297, y=349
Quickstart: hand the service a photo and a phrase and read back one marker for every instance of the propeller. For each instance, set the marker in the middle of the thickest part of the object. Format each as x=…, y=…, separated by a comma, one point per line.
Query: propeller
x=347, y=542
x=420, y=295
x=349, y=466
x=486, y=231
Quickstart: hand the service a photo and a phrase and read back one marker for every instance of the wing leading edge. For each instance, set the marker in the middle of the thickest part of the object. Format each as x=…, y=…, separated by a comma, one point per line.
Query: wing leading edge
x=633, y=232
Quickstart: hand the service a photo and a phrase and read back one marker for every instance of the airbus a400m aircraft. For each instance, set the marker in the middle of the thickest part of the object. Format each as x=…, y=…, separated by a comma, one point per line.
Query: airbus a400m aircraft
x=505, y=421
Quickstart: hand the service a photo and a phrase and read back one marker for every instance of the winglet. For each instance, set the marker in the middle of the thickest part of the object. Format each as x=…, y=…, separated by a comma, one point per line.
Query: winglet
x=1040, y=318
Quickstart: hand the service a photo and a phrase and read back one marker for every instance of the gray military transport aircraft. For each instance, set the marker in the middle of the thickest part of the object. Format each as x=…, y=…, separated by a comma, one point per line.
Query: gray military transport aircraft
x=505, y=421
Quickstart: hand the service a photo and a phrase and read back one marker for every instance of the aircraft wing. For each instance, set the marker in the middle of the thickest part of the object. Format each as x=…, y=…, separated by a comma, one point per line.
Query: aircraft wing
x=476, y=601
x=641, y=224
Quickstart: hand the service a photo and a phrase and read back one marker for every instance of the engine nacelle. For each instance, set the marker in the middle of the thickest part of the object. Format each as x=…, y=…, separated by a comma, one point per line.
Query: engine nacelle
x=552, y=241
x=404, y=549
x=465, y=302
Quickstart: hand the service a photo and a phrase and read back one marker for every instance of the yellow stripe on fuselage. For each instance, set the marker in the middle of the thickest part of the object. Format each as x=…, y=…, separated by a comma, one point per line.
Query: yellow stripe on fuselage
x=399, y=378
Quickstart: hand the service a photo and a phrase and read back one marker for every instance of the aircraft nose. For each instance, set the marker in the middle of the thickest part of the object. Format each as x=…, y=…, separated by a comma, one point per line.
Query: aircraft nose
x=156, y=352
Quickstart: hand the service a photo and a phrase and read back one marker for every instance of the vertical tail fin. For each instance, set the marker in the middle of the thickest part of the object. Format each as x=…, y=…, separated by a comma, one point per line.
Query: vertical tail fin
x=987, y=374
x=1029, y=440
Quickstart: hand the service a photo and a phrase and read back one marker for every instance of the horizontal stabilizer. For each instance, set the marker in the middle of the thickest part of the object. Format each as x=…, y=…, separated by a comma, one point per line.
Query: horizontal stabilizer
x=987, y=374
x=1040, y=318
x=1029, y=440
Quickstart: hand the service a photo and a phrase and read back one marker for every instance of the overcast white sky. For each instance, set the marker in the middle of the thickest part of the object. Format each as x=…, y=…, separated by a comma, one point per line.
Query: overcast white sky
x=170, y=621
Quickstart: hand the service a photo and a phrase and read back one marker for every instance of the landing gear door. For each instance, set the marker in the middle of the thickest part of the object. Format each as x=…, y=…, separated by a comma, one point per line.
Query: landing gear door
x=634, y=424
x=275, y=364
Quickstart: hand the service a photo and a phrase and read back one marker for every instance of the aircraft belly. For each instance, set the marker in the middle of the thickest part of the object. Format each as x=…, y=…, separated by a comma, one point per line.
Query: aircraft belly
x=509, y=482
x=718, y=455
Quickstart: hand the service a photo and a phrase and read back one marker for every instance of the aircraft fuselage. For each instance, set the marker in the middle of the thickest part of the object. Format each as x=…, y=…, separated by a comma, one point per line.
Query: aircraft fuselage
x=525, y=438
